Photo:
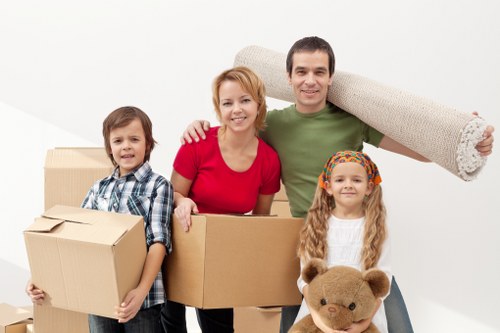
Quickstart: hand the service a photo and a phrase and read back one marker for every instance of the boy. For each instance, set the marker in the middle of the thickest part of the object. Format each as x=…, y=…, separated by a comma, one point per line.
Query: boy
x=133, y=188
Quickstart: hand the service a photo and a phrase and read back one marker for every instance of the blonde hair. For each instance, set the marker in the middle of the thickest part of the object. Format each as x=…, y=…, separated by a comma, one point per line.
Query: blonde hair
x=249, y=82
x=313, y=235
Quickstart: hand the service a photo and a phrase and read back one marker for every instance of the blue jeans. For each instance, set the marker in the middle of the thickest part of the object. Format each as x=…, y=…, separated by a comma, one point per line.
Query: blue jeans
x=398, y=320
x=145, y=321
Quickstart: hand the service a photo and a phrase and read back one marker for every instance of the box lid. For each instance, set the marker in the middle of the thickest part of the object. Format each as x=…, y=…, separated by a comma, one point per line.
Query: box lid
x=73, y=223
x=11, y=315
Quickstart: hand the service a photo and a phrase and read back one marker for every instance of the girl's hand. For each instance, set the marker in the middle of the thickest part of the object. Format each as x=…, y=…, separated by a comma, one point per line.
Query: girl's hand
x=37, y=295
x=130, y=305
x=183, y=212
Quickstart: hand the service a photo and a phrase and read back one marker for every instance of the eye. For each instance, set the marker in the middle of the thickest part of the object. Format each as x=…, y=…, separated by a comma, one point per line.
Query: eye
x=323, y=301
x=352, y=306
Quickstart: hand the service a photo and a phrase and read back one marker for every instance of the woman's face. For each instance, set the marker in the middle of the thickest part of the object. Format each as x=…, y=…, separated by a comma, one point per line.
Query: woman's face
x=238, y=110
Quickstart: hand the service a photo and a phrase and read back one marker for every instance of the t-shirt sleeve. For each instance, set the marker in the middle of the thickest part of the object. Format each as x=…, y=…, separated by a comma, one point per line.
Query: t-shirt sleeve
x=185, y=161
x=272, y=174
x=372, y=136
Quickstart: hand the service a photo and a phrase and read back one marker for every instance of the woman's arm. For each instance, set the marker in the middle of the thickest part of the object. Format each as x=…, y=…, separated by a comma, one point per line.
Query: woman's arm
x=183, y=205
x=263, y=205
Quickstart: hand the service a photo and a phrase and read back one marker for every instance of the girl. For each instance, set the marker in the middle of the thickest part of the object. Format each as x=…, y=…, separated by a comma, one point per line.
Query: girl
x=346, y=225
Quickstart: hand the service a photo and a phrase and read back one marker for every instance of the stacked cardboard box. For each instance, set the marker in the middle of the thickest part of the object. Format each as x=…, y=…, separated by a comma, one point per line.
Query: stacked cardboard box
x=13, y=319
x=280, y=206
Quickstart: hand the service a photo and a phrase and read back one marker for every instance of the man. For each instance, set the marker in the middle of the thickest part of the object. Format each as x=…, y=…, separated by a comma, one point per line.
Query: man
x=305, y=135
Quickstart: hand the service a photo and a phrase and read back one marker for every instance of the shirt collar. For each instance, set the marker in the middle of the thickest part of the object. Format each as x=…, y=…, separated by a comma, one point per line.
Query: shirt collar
x=140, y=173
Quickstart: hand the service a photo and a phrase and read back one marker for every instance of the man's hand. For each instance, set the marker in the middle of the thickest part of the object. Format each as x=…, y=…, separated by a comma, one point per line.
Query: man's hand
x=195, y=131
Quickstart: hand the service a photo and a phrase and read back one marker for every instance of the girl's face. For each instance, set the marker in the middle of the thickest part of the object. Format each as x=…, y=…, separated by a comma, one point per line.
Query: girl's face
x=238, y=108
x=128, y=146
x=349, y=185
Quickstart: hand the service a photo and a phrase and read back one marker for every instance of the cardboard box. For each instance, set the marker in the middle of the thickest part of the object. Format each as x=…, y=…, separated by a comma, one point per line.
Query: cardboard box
x=70, y=172
x=48, y=319
x=13, y=319
x=281, y=209
x=86, y=260
x=230, y=261
x=255, y=319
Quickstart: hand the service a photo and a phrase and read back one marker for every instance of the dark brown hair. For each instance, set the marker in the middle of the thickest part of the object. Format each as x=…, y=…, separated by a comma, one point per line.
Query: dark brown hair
x=123, y=116
x=311, y=44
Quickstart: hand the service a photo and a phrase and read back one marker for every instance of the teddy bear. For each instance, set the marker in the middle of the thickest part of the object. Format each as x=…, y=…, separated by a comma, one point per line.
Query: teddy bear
x=341, y=295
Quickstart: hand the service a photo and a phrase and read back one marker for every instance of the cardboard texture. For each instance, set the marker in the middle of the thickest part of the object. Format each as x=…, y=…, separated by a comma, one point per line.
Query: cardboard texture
x=255, y=319
x=281, y=209
x=86, y=260
x=231, y=261
x=13, y=319
x=70, y=172
x=48, y=319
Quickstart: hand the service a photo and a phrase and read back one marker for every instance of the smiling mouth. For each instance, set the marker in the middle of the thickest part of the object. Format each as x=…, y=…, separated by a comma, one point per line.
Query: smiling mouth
x=127, y=156
x=238, y=118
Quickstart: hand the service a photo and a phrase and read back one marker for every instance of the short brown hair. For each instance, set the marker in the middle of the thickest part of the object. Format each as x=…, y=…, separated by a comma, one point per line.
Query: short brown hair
x=249, y=82
x=122, y=117
x=311, y=44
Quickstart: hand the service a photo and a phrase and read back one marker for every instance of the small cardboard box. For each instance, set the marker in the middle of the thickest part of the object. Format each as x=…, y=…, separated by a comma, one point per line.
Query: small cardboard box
x=255, y=319
x=281, y=194
x=48, y=319
x=86, y=260
x=230, y=261
x=13, y=320
x=281, y=209
x=70, y=172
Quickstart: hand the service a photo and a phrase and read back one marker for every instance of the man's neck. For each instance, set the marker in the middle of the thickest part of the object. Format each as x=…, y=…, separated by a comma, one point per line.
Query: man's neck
x=305, y=109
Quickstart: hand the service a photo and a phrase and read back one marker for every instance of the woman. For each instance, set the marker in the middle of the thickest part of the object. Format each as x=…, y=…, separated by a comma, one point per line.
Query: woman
x=231, y=172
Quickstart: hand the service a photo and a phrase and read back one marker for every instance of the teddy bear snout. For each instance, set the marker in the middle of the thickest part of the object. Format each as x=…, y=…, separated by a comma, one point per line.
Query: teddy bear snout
x=333, y=308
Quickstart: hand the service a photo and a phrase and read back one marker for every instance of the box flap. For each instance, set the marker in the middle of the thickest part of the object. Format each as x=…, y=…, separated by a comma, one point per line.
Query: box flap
x=11, y=315
x=44, y=225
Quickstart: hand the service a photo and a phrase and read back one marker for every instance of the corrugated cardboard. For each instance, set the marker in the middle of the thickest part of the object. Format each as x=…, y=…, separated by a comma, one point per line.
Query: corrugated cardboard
x=13, y=319
x=230, y=261
x=70, y=172
x=86, y=260
x=255, y=319
x=48, y=319
x=281, y=209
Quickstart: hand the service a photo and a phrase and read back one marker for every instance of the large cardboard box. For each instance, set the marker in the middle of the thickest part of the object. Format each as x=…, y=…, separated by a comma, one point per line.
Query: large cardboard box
x=70, y=172
x=256, y=319
x=48, y=319
x=231, y=261
x=13, y=319
x=86, y=260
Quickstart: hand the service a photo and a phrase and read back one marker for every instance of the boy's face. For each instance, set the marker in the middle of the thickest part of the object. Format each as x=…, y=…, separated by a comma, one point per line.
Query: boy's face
x=128, y=146
x=310, y=80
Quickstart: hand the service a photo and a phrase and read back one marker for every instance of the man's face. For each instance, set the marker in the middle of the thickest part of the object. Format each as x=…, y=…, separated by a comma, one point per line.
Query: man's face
x=310, y=80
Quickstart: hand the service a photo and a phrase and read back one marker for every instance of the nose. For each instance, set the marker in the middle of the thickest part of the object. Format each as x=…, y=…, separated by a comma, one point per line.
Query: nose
x=309, y=79
x=333, y=308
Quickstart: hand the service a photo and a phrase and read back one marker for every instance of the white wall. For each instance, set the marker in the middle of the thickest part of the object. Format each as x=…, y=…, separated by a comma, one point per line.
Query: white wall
x=65, y=65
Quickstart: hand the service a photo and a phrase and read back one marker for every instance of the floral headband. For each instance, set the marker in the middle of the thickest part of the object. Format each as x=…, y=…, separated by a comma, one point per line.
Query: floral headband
x=349, y=156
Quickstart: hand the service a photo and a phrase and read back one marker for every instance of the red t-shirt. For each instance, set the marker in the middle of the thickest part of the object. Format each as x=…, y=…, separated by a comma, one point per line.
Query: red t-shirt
x=218, y=189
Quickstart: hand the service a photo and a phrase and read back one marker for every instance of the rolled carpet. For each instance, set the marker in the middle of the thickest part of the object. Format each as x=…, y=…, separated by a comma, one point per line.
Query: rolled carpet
x=440, y=133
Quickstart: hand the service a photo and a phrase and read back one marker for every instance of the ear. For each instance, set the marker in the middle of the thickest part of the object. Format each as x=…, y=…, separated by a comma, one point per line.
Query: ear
x=313, y=268
x=328, y=188
x=378, y=281
x=370, y=188
x=330, y=81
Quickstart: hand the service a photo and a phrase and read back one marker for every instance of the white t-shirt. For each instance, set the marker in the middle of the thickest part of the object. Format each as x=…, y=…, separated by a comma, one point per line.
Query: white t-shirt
x=345, y=242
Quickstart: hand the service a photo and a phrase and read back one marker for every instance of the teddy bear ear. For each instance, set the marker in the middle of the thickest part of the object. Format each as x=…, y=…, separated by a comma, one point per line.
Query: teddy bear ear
x=378, y=281
x=313, y=268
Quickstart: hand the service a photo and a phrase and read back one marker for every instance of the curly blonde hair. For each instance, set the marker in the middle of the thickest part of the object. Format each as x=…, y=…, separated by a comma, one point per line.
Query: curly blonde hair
x=313, y=235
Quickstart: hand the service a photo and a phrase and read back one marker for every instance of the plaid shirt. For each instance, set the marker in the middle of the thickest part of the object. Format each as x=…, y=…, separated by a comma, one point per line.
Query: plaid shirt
x=144, y=193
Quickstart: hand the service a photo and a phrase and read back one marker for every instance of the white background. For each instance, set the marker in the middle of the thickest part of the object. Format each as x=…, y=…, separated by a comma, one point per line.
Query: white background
x=64, y=65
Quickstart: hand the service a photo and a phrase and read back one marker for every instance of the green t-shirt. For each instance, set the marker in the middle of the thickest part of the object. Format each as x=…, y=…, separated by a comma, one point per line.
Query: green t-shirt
x=304, y=143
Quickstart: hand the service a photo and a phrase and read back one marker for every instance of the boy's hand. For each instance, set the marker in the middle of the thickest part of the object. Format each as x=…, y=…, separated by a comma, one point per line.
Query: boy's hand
x=130, y=305
x=37, y=295
x=195, y=131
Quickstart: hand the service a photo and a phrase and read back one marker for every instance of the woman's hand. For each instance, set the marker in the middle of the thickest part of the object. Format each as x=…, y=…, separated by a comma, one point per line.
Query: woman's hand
x=183, y=210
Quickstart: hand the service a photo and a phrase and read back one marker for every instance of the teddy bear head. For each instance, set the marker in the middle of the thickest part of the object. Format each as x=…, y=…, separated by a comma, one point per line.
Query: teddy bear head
x=343, y=295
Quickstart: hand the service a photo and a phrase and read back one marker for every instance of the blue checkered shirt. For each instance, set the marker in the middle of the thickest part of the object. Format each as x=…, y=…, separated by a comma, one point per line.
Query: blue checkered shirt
x=145, y=193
